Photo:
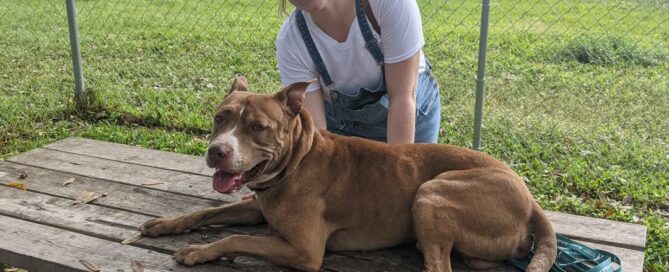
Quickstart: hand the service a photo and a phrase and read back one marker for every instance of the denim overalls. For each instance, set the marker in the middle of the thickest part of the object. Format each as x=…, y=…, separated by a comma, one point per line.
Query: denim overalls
x=365, y=114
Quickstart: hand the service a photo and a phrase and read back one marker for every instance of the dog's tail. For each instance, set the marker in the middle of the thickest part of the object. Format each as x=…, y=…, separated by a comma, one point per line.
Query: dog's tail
x=545, y=242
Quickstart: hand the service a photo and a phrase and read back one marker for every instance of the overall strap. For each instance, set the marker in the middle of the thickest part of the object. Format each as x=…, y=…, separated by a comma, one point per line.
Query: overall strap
x=311, y=47
x=370, y=42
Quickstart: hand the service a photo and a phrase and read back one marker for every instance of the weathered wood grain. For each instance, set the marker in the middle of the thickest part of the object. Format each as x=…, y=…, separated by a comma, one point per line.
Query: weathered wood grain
x=630, y=235
x=108, y=223
x=632, y=259
x=173, y=181
x=601, y=231
x=123, y=169
x=121, y=196
x=585, y=228
x=102, y=222
x=144, y=200
x=111, y=225
x=133, y=155
x=117, y=225
x=23, y=243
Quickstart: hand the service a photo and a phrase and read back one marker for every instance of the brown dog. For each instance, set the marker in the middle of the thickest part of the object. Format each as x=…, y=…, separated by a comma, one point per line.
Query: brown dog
x=320, y=190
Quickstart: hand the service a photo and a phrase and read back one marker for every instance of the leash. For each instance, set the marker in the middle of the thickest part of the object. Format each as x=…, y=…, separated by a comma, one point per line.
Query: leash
x=573, y=256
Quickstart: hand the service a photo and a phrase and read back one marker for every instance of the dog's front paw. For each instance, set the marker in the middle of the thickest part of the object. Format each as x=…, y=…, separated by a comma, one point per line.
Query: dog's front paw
x=164, y=226
x=196, y=254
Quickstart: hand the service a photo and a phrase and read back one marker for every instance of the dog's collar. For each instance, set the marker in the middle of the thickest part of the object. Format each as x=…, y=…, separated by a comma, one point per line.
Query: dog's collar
x=264, y=188
x=258, y=189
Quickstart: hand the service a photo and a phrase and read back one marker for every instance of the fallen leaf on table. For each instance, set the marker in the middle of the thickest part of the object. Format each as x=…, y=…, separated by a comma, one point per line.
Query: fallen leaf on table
x=131, y=239
x=137, y=266
x=67, y=182
x=150, y=182
x=23, y=174
x=86, y=197
x=90, y=265
x=17, y=185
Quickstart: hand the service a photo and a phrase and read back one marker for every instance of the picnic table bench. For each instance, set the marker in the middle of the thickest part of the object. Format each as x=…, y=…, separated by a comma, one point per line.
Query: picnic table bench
x=43, y=228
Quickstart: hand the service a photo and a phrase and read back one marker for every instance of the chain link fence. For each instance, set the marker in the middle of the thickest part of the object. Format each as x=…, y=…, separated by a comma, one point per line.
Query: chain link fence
x=131, y=48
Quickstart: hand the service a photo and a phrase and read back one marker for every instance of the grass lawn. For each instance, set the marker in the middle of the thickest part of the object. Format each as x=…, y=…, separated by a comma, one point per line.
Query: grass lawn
x=576, y=102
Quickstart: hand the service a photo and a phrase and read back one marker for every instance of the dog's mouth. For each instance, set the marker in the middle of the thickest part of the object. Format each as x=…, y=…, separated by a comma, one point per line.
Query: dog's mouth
x=224, y=182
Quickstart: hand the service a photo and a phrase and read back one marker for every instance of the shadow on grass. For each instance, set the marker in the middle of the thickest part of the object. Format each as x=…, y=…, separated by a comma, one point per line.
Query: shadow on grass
x=92, y=108
x=610, y=50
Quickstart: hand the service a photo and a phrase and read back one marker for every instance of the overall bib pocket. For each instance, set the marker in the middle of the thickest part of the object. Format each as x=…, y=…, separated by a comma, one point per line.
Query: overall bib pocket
x=370, y=108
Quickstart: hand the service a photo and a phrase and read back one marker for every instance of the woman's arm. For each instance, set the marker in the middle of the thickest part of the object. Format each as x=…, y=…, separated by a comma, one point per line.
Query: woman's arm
x=401, y=43
x=401, y=80
x=313, y=101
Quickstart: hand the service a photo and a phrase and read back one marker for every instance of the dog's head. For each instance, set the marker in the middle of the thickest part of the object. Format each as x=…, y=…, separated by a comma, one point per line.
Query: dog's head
x=254, y=135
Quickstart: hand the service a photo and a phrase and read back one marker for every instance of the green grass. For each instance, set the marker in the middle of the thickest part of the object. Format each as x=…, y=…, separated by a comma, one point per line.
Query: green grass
x=576, y=90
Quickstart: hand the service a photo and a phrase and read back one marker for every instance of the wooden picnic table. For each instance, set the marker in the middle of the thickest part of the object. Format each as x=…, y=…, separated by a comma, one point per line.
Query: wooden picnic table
x=44, y=229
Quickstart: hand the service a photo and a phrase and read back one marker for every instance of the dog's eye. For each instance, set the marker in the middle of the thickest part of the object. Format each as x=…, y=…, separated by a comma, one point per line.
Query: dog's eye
x=218, y=119
x=258, y=127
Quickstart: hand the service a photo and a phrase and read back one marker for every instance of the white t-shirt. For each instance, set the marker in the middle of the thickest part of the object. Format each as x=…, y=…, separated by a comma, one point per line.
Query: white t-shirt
x=350, y=64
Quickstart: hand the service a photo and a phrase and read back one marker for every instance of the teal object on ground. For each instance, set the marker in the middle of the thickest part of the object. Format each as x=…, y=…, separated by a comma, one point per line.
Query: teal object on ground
x=573, y=256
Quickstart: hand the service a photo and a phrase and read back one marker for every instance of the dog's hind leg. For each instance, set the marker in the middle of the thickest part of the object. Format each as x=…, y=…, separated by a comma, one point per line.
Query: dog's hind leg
x=437, y=257
x=245, y=212
x=484, y=213
x=432, y=229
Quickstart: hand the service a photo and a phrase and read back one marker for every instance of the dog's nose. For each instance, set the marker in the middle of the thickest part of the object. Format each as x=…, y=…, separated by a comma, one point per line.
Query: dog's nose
x=217, y=153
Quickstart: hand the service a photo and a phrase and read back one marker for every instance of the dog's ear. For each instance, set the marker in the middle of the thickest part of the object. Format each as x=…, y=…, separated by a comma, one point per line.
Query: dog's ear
x=292, y=96
x=239, y=84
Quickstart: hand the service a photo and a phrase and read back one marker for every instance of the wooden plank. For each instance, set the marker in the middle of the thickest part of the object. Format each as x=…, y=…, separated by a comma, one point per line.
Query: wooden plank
x=162, y=204
x=120, y=196
x=60, y=250
x=133, y=154
x=109, y=224
x=102, y=222
x=601, y=231
x=403, y=258
x=632, y=259
x=579, y=227
x=136, y=175
x=153, y=203
x=117, y=225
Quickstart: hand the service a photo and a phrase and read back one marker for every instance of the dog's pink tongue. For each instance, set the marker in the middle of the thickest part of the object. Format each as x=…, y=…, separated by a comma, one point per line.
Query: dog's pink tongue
x=226, y=183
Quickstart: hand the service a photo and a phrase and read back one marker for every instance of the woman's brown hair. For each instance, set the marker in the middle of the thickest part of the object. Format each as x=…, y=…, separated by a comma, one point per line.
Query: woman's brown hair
x=282, y=7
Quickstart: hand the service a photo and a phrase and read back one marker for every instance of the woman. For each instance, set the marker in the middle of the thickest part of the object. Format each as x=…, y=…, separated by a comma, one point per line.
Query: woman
x=373, y=79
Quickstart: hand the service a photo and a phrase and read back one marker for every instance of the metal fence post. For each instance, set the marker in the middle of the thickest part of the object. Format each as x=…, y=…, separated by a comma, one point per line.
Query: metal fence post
x=76, y=52
x=480, y=77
